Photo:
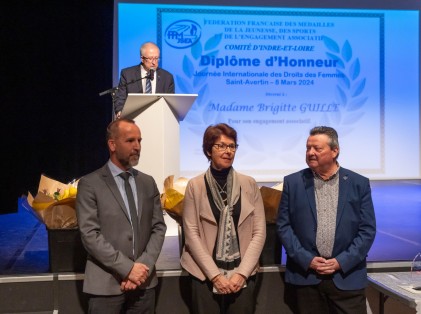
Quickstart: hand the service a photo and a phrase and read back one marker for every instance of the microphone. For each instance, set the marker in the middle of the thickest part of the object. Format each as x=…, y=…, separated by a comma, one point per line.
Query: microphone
x=151, y=73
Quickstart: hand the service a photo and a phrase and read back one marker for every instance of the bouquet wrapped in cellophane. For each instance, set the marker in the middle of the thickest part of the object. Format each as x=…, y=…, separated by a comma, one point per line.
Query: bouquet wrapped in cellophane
x=173, y=196
x=54, y=203
x=271, y=197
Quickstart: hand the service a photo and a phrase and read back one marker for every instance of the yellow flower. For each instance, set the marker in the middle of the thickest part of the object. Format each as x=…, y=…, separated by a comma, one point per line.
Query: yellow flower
x=72, y=191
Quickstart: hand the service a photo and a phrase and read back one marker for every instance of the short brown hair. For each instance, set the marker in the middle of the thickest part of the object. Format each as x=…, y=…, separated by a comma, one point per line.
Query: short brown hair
x=112, y=129
x=213, y=132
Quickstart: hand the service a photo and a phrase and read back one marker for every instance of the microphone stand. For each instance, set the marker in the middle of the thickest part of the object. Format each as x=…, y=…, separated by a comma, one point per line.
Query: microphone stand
x=113, y=90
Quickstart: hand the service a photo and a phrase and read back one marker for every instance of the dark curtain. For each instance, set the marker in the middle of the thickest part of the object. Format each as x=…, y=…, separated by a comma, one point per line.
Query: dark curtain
x=56, y=56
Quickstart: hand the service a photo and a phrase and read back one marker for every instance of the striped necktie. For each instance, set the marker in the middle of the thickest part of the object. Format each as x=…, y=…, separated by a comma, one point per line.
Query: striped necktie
x=148, y=89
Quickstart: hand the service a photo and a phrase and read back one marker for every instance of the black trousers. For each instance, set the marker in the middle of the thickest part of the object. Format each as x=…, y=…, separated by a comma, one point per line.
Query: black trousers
x=326, y=298
x=136, y=301
x=204, y=301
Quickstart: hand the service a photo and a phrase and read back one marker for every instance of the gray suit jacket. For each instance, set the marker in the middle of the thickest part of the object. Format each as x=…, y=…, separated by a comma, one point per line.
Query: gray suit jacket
x=131, y=82
x=107, y=234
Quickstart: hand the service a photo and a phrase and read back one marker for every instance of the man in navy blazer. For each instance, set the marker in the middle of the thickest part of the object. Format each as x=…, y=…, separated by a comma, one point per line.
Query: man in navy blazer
x=133, y=79
x=326, y=223
x=123, y=241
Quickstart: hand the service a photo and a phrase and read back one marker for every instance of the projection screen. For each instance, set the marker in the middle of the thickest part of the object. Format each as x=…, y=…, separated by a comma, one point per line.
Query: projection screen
x=274, y=72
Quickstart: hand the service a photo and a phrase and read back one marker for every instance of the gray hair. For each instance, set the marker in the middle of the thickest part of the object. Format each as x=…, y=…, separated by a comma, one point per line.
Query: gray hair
x=145, y=45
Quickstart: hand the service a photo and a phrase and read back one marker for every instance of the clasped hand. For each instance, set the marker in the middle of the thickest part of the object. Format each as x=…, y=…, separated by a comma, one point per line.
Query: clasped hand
x=232, y=285
x=137, y=276
x=324, y=266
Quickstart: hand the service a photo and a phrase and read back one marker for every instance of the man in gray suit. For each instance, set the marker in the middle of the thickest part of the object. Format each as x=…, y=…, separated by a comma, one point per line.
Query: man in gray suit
x=122, y=230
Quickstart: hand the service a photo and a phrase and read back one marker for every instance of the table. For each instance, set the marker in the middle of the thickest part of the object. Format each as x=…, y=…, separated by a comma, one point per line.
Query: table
x=396, y=285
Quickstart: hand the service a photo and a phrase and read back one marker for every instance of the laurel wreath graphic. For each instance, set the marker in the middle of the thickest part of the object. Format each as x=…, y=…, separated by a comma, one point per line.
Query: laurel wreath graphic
x=350, y=87
x=189, y=83
x=349, y=90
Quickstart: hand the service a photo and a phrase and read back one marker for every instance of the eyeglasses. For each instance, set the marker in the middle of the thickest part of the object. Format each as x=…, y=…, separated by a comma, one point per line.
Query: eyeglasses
x=156, y=59
x=223, y=147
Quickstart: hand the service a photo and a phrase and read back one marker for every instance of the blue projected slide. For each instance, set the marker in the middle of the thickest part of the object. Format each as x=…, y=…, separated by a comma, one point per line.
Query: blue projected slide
x=274, y=73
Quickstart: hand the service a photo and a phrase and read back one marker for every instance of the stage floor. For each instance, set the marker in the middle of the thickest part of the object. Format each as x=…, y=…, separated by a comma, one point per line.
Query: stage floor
x=24, y=241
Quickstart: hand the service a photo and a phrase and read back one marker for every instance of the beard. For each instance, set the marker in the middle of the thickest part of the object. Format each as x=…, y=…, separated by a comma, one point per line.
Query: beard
x=128, y=161
x=133, y=160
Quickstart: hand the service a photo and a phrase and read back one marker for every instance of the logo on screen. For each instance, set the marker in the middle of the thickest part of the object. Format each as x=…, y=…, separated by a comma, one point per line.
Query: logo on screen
x=183, y=34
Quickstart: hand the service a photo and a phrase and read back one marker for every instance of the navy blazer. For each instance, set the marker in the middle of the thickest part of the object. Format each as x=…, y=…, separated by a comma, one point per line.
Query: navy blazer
x=355, y=228
x=131, y=82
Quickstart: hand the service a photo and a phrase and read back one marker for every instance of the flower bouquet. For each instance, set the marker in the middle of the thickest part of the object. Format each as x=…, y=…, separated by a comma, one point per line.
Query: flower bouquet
x=54, y=204
x=172, y=198
x=271, y=197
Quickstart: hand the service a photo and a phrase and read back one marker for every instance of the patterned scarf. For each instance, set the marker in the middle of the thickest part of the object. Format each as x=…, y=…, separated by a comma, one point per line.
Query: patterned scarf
x=227, y=250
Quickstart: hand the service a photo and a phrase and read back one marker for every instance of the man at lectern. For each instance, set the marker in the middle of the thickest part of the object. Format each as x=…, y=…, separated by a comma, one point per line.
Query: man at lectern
x=145, y=77
x=122, y=227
